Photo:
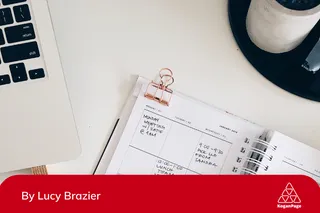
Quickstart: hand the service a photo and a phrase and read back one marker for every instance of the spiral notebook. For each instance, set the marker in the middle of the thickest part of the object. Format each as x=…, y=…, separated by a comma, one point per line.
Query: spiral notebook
x=165, y=132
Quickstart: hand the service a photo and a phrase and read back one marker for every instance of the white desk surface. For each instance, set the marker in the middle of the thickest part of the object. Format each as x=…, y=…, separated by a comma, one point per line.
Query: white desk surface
x=105, y=44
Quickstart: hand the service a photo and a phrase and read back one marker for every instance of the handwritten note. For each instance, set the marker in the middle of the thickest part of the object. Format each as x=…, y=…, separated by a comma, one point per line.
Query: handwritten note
x=207, y=155
x=164, y=167
x=151, y=126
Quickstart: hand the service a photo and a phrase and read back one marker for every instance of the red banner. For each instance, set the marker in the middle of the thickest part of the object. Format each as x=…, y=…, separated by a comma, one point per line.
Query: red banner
x=159, y=194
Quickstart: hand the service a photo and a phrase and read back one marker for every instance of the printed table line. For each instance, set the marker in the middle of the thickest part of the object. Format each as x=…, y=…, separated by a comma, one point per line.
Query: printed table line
x=189, y=126
x=162, y=159
x=301, y=169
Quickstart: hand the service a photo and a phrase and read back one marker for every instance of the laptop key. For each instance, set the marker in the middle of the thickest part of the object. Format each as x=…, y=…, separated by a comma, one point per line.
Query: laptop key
x=2, y=41
x=20, y=52
x=37, y=73
x=20, y=33
x=4, y=79
x=7, y=2
x=5, y=16
x=22, y=13
x=18, y=72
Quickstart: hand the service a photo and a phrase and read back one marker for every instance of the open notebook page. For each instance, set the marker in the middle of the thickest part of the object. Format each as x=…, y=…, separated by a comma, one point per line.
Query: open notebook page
x=291, y=157
x=187, y=137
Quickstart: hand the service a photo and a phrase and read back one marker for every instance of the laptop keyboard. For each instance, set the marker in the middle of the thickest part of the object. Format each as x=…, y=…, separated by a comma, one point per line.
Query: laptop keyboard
x=20, y=56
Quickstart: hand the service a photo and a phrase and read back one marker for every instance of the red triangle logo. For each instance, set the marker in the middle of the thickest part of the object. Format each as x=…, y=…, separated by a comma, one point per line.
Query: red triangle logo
x=289, y=195
x=281, y=200
x=289, y=186
x=297, y=199
x=289, y=191
x=285, y=192
x=291, y=199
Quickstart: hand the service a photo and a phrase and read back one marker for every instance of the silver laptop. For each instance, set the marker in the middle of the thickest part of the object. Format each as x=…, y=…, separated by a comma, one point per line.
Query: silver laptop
x=37, y=126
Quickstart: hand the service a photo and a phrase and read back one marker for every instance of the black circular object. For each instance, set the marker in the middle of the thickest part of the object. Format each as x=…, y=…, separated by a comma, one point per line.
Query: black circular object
x=285, y=69
x=299, y=4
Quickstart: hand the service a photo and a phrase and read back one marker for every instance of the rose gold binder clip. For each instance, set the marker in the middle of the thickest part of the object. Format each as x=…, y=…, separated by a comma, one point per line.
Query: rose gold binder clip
x=160, y=92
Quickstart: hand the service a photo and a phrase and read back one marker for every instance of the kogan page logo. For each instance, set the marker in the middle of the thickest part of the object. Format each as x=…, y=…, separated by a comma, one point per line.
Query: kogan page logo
x=289, y=198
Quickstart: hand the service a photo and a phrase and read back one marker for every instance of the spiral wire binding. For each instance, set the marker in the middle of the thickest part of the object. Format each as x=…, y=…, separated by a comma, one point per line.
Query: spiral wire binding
x=263, y=153
x=257, y=162
x=266, y=143
x=256, y=154
x=246, y=171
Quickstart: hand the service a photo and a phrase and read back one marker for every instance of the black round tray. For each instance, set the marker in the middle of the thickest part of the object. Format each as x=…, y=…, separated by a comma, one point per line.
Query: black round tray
x=284, y=70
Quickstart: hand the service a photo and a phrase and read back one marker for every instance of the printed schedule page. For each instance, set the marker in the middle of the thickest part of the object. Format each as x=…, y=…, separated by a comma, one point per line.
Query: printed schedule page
x=186, y=137
x=291, y=157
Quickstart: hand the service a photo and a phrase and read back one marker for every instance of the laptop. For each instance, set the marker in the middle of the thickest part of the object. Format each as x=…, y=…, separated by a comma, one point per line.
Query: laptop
x=37, y=125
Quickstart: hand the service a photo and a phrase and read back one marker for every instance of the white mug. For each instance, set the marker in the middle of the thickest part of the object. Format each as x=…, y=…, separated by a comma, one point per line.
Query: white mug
x=277, y=29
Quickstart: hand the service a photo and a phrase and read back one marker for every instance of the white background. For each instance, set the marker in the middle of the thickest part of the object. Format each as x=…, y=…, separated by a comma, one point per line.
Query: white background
x=105, y=44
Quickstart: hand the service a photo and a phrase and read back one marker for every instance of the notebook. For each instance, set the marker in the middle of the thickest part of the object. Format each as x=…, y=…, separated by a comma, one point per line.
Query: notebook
x=164, y=132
